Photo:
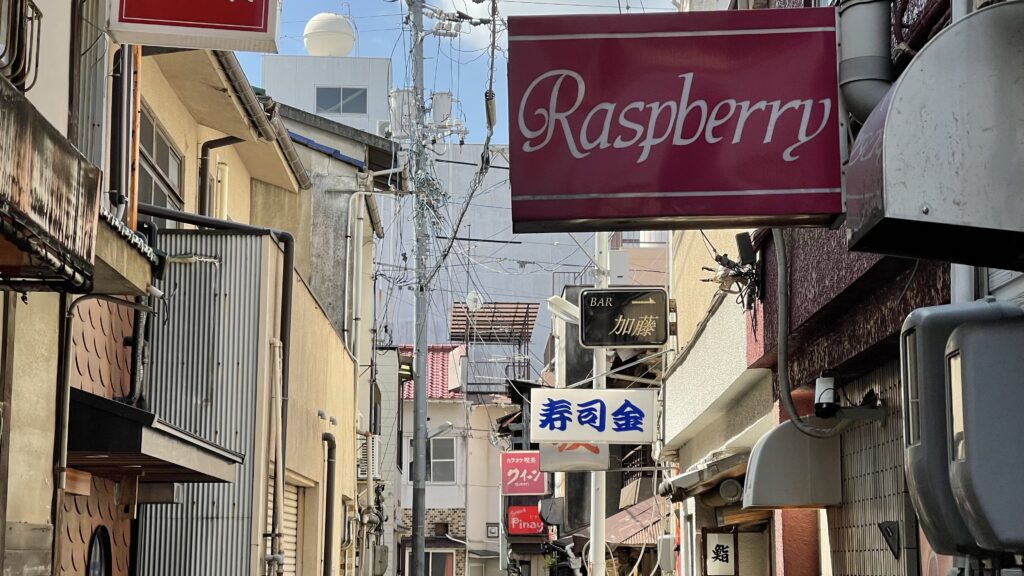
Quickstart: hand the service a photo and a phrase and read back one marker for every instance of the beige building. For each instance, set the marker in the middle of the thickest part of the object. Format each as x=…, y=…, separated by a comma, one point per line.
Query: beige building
x=153, y=414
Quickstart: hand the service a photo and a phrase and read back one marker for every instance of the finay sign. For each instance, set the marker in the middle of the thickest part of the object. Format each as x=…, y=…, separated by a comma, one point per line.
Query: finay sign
x=690, y=119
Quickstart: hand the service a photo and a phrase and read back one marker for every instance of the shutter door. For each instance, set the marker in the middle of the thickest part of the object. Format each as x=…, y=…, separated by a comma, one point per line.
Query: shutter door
x=291, y=528
x=1005, y=284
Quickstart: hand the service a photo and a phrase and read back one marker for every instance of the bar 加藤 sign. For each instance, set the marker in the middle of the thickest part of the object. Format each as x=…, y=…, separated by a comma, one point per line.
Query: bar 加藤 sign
x=247, y=25
x=566, y=415
x=674, y=120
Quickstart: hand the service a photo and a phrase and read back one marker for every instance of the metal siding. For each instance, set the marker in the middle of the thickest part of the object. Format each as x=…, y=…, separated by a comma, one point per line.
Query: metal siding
x=874, y=489
x=205, y=378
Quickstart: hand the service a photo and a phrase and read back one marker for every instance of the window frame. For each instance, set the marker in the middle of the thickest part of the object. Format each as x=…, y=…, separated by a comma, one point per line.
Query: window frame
x=316, y=98
x=341, y=100
x=366, y=100
x=426, y=560
x=147, y=161
x=100, y=538
x=432, y=459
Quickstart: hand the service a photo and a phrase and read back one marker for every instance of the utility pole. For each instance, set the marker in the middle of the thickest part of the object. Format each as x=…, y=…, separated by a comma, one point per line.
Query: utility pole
x=598, y=496
x=419, y=471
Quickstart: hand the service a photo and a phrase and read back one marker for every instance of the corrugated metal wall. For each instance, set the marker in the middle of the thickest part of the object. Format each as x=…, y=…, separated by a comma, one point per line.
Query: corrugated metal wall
x=874, y=489
x=205, y=379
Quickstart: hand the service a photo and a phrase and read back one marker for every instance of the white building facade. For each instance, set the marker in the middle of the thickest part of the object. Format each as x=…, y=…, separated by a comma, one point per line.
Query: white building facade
x=350, y=90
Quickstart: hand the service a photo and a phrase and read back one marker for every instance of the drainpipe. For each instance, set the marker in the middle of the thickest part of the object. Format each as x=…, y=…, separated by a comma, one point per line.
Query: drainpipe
x=288, y=245
x=142, y=332
x=204, y=169
x=329, y=505
x=865, y=64
x=60, y=470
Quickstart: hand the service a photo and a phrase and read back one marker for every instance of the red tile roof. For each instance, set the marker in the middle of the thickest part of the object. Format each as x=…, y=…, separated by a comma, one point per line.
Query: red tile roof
x=438, y=356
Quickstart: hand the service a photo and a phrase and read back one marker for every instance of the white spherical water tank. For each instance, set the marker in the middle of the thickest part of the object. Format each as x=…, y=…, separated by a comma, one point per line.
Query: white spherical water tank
x=328, y=34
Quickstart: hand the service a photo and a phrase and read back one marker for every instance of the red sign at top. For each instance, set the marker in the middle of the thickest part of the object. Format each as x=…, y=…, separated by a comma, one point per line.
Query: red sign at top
x=520, y=473
x=667, y=120
x=215, y=24
x=219, y=14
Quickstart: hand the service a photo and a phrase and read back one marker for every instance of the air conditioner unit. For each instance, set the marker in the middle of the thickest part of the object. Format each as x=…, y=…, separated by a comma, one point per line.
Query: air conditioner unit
x=369, y=458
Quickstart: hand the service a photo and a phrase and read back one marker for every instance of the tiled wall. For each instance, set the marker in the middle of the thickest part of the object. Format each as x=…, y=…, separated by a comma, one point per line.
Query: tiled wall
x=82, y=516
x=102, y=363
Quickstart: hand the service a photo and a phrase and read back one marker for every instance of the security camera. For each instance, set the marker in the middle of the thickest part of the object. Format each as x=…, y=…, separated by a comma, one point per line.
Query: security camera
x=825, y=405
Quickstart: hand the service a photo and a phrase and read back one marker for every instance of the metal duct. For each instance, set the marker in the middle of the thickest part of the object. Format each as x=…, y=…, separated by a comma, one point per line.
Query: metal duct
x=865, y=67
x=936, y=170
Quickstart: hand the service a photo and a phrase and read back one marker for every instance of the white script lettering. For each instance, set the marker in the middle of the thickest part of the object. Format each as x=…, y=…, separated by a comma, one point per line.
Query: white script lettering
x=645, y=125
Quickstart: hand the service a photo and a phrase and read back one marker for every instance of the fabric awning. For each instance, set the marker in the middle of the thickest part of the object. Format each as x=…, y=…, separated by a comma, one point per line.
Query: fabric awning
x=108, y=438
x=636, y=526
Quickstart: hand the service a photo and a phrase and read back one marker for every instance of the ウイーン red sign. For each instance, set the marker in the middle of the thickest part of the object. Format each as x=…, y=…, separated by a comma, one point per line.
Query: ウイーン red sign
x=524, y=520
x=520, y=473
x=215, y=24
x=669, y=120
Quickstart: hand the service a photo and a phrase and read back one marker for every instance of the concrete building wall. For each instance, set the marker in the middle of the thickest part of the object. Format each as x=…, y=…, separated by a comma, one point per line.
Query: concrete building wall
x=177, y=122
x=33, y=409
x=50, y=93
x=483, y=476
x=391, y=468
x=440, y=495
x=689, y=253
x=187, y=136
x=293, y=80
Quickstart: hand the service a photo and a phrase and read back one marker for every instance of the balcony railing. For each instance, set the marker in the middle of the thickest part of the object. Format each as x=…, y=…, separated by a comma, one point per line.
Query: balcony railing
x=49, y=201
x=20, y=38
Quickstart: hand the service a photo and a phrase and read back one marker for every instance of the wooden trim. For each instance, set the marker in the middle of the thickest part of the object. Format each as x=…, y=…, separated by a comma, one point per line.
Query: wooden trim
x=136, y=110
x=7, y=386
x=79, y=482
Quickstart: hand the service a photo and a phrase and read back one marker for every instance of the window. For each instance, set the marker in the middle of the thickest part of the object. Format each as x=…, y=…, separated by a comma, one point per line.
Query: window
x=910, y=381
x=353, y=100
x=337, y=100
x=436, y=563
x=440, y=460
x=99, y=554
x=159, y=167
x=958, y=449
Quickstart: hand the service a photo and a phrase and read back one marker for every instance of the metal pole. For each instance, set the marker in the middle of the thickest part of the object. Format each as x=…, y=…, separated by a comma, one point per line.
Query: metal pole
x=419, y=471
x=597, y=479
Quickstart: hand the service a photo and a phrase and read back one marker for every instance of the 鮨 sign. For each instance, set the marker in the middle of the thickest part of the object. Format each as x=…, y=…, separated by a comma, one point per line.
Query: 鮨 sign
x=695, y=119
x=721, y=552
x=567, y=415
x=246, y=25
x=524, y=520
x=623, y=317
x=520, y=473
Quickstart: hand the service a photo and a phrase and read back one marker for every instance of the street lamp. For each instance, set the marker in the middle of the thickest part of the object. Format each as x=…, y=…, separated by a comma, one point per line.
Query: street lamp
x=440, y=430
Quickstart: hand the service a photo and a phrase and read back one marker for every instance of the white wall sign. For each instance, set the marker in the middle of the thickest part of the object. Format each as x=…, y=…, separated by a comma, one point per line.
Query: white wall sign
x=720, y=553
x=598, y=416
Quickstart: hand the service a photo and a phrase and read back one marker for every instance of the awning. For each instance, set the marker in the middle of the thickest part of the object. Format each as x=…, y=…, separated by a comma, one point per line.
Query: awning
x=108, y=438
x=483, y=553
x=705, y=477
x=636, y=526
x=789, y=469
x=936, y=168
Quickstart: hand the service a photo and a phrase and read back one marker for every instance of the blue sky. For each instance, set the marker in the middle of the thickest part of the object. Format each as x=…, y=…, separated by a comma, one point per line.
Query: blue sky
x=458, y=65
